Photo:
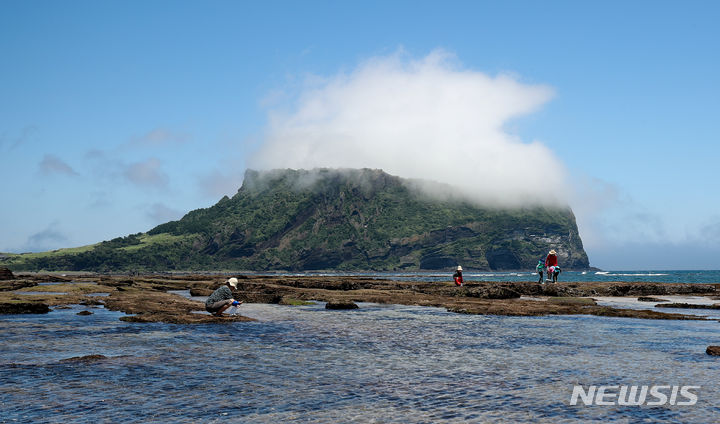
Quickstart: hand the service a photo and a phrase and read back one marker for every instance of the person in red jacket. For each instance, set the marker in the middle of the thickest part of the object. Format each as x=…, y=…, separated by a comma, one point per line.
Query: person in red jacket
x=458, y=276
x=550, y=265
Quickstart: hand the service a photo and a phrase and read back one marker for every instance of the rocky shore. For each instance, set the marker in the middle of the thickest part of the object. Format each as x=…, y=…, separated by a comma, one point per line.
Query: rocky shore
x=150, y=298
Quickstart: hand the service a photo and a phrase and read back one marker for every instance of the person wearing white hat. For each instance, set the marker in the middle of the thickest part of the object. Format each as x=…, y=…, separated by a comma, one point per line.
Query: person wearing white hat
x=458, y=276
x=551, y=265
x=222, y=298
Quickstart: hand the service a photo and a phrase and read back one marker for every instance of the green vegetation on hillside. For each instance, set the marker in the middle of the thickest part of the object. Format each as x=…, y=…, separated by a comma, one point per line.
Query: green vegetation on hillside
x=329, y=219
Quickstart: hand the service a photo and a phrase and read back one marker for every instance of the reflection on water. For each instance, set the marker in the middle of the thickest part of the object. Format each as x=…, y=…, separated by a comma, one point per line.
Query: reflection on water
x=380, y=363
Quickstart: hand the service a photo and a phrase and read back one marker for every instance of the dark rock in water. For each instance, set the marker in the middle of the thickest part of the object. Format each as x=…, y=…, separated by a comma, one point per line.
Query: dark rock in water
x=651, y=299
x=84, y=313
x=688, y=306
x=24, y=308
x=341, y=304
x=86, y=358
x=6, y=274
x=713, y=350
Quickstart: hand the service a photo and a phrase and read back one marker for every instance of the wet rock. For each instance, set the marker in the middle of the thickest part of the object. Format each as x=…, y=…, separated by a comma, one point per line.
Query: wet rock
x=489, y=292
x=295, y=302
x=341, y=304
x=117, y=283
x=12, y=285
x=47, y=278
x=713, y=350
x=550, y=290
x=85, y=359
x=688, y=306
x=200, y=292
x=500, y=293
x=6, y=274
x=651, y=299
x=581, y=301
x=83, y=313
x=23, y=308
x=146, y=298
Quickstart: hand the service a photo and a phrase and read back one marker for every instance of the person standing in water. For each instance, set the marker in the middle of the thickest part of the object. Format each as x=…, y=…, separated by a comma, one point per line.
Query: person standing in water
x=550, y=265
x=222, y=298
x=457, y=276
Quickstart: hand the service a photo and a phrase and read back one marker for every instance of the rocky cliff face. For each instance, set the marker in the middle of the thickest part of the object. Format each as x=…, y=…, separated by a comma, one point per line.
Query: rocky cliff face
x=367, y=219
x=358, y=219
x=6, y=274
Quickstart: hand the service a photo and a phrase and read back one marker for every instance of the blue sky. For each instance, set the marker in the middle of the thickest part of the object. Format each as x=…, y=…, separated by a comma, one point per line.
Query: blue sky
x=116, y=116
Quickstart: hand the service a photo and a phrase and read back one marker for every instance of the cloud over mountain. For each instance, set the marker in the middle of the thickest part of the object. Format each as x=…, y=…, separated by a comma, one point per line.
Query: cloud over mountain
x=428, y=118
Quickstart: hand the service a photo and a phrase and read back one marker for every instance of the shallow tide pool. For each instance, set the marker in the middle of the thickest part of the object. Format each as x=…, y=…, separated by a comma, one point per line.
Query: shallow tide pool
x=380, y=363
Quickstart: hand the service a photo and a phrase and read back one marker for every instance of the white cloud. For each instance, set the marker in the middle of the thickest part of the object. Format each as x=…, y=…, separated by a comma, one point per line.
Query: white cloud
x=430, y=119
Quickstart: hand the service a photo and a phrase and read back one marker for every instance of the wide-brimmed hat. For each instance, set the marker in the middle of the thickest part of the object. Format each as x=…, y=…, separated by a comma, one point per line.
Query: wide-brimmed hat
x=552, y=252
x=459, y=268
x=233, y=282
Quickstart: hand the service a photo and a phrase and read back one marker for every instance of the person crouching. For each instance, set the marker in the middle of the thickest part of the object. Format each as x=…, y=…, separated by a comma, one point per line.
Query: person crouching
x=457, y=276
x=222, y=298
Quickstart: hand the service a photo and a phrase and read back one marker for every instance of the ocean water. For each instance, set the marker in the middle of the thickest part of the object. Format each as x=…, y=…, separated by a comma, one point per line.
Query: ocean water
x=567, y=276
x=376, y=364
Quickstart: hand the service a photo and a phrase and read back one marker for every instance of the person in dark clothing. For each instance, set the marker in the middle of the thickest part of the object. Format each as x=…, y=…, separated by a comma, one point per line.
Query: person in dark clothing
x=457, y=276
x=222, y=298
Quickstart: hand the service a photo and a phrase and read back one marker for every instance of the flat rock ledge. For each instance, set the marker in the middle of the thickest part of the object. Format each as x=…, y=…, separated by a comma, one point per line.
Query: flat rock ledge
x=713, y=350
x=155, y=297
